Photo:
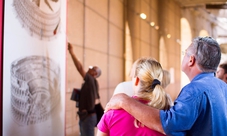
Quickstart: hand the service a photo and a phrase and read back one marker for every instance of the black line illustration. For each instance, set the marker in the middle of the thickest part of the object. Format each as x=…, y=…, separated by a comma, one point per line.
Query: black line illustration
x=35, y=89
x=40, y=17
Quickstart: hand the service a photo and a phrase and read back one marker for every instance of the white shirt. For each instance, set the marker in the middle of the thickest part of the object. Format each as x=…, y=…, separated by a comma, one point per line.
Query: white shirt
x=124, y=87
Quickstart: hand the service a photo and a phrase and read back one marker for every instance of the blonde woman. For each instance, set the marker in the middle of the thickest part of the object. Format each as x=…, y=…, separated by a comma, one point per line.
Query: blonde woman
x=146, y=76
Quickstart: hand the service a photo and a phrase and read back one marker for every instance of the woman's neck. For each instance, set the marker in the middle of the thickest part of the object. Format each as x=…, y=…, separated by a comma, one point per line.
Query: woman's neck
x=142, y=100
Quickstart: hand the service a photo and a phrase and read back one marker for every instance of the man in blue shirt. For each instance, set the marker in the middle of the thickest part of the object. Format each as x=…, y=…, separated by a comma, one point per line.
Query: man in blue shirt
x=201, y=107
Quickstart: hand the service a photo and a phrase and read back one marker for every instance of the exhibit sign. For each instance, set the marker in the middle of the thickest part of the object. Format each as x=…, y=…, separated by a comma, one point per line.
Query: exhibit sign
x=34, y=62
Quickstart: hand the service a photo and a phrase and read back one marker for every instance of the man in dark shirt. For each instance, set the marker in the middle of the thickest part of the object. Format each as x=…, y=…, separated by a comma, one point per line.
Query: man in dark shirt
x=88, y=96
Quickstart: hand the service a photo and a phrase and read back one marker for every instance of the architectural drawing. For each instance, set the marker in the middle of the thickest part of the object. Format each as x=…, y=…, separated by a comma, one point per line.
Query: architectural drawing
x=40, y=17
x=35, y=89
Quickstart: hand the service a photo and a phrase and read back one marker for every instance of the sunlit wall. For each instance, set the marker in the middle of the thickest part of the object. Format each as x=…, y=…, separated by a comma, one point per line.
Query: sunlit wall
x=114, y=33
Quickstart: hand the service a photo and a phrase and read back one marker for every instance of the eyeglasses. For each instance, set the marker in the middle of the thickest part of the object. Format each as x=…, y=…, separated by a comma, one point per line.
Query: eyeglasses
x=183, y=53
x=186, y=53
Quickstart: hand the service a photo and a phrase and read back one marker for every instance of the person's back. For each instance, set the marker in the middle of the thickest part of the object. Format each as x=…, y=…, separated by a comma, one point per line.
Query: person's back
x=212, y=95
x=205, y=100
x=121, y=123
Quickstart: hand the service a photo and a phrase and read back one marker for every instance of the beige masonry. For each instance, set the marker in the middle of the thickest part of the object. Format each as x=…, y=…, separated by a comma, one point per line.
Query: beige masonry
x=111, y=34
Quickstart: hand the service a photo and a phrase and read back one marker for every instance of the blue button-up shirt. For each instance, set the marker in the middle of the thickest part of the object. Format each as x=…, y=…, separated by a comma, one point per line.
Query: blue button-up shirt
x=199, y=110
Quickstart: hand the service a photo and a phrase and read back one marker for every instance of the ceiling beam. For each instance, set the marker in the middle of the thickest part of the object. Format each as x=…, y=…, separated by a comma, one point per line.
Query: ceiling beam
x=190, y=3
x=216, y=6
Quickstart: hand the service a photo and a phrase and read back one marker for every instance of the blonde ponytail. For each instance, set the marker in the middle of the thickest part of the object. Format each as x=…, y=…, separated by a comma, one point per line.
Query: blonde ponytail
x=150, y=73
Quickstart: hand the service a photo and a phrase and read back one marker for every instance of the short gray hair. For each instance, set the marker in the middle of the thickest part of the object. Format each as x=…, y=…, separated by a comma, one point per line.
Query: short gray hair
x=207, y=53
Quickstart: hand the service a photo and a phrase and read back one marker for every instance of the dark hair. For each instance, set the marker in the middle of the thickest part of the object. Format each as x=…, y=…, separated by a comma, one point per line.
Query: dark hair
x=224, y=66
x=207, y=53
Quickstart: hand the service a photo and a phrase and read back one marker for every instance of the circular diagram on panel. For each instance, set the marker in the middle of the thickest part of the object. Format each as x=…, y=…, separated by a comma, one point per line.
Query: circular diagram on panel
x=35, y=89
x=40, y=18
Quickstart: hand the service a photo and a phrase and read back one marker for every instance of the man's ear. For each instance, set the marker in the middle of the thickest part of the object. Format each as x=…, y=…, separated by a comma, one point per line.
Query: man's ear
x=225, y=77
x=137, y=81
x=191, y=60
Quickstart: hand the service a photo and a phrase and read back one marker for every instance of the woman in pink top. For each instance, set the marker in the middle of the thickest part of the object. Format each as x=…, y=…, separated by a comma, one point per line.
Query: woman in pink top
x=146, y=76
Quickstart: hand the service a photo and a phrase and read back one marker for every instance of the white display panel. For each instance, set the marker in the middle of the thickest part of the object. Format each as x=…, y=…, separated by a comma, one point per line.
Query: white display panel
x=34, y=62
